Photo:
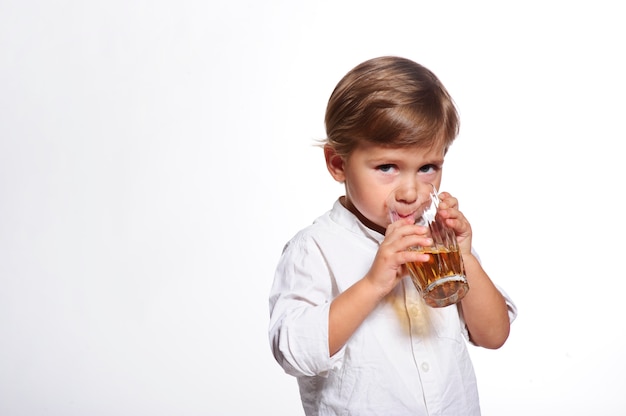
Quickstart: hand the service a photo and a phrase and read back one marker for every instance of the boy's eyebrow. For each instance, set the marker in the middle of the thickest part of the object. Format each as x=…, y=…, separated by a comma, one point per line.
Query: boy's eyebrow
x=386, y=159
x=435, y=161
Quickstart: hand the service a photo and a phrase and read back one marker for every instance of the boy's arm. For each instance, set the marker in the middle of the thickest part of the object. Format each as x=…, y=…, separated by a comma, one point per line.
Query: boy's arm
x=350, y=308
x=484, y=308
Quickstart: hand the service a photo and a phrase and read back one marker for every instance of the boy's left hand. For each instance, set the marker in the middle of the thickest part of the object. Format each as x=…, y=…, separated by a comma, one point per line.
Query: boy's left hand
x=449, y=211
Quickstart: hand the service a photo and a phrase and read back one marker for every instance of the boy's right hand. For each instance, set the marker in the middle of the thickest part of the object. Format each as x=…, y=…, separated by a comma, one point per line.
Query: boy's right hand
x=388, y=266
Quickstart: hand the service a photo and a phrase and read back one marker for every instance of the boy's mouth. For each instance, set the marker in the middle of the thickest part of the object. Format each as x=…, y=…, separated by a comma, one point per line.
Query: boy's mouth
x=398, y=215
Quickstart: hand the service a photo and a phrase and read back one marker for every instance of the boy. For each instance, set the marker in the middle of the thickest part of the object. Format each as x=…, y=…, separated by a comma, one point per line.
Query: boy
x=345, y=318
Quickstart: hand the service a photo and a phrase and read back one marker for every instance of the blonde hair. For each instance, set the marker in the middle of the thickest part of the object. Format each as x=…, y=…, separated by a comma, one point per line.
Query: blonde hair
x=390, y=101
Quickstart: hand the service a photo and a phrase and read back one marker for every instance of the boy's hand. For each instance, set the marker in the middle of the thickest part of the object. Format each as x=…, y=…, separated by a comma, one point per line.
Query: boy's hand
x=449, y=211
x=388, y=266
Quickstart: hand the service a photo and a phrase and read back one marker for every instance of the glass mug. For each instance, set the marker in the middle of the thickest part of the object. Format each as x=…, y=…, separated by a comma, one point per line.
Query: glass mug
x=441, y=280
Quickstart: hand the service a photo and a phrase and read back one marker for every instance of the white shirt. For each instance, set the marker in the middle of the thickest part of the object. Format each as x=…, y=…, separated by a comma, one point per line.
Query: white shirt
x=405, y=359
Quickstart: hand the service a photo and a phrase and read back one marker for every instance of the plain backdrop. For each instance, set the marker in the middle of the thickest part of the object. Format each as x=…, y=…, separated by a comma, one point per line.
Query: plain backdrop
x=155, y=156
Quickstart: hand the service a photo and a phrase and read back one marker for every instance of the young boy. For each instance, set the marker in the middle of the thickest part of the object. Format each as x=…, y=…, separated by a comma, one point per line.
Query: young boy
x=345, y=318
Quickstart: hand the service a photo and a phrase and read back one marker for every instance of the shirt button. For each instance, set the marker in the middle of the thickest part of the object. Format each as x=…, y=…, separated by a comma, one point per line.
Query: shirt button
x=425, y=366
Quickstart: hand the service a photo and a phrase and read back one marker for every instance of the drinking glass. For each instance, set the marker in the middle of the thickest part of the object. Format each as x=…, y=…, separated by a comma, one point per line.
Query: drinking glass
x=441, y=280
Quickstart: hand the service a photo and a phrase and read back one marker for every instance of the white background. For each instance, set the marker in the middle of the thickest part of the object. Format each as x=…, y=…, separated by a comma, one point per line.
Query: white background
x=156, y=155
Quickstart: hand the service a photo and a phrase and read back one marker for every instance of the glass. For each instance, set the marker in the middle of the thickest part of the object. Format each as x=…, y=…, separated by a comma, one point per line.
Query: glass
x=441, y=280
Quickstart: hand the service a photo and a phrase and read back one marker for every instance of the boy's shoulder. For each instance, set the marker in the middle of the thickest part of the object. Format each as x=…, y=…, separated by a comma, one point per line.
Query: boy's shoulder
x=333, y=229
x=320, y=227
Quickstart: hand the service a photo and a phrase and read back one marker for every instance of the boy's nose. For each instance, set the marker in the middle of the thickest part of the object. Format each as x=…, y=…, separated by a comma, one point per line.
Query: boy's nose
x=412, y=192
x=406, y=194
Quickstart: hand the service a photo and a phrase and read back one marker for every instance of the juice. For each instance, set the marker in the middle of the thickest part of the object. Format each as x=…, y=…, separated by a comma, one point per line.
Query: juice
x=441, y=279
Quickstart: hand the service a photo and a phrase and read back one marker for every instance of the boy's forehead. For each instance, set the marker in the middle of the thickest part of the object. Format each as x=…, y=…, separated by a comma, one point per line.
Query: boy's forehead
x=436, y=151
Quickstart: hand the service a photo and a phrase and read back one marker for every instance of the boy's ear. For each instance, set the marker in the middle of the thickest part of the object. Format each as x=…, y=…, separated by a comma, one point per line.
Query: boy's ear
x=334, y=163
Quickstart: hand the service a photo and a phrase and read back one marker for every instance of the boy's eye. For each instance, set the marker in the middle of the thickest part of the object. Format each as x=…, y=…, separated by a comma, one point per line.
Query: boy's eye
x=386, y=168
x=428, y=168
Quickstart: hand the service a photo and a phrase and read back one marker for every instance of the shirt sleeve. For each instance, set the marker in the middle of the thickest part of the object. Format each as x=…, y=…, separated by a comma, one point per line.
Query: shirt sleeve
x=299, y=303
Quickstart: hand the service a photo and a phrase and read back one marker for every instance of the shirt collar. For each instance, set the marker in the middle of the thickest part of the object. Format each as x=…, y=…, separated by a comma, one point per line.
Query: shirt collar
x=342, y=216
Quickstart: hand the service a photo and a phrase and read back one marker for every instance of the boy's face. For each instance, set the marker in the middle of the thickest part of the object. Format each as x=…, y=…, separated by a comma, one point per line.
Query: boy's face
x=371, y=173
